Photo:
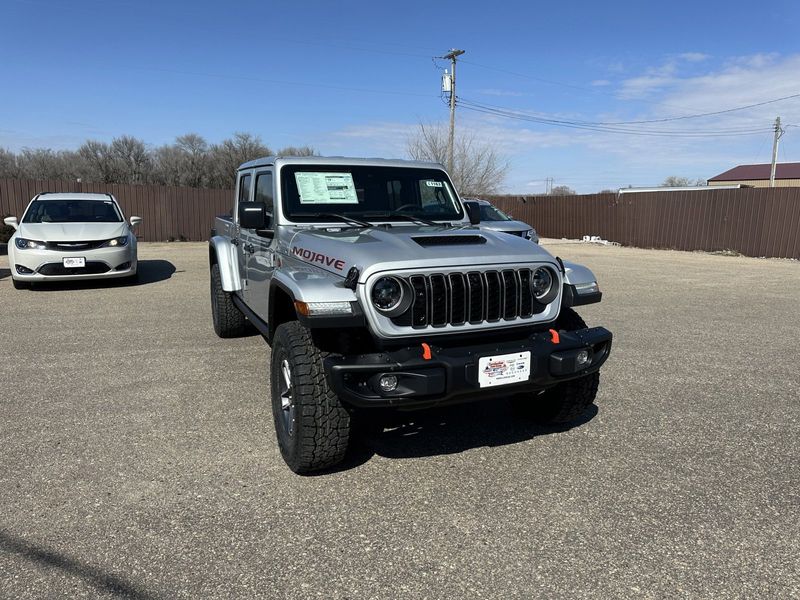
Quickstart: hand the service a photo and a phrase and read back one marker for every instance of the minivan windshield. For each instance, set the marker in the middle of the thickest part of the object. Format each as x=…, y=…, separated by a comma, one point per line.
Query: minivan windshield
x=368, y=193
x=72, y=211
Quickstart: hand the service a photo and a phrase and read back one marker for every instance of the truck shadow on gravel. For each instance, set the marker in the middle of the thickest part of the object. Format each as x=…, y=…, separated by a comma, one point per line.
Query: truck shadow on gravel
x=103, y=581
x=149, y=271
x=449, y=430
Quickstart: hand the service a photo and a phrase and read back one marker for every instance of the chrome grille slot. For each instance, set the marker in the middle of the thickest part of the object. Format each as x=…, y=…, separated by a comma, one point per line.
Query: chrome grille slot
x=474, y=298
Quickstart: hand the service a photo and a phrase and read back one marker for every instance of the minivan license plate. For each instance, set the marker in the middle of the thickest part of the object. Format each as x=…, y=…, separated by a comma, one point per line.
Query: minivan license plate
x=74, y=261
x=504, y=369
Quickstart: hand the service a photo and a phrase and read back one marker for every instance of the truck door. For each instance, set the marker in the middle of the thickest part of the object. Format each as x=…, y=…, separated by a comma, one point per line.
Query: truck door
x=260, y=250
x=238, y=235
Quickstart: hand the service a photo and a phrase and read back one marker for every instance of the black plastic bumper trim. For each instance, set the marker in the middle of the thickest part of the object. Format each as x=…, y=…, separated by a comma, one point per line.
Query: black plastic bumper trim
x=452, y=373
x=571, y=297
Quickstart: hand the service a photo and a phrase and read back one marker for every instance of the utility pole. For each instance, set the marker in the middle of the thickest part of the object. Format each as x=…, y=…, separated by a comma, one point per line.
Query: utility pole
x=778, y=133
x=451, y=56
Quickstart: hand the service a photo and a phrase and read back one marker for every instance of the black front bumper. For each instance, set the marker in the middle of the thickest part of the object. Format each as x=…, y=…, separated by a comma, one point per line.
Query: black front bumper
x=451, y=374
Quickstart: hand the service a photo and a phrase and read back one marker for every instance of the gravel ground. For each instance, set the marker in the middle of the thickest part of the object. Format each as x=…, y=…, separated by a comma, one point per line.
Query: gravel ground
x=138, y=454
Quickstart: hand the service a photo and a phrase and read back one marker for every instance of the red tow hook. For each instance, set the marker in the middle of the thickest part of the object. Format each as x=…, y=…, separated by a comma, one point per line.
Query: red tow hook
x=554, y=336
x=426, y=351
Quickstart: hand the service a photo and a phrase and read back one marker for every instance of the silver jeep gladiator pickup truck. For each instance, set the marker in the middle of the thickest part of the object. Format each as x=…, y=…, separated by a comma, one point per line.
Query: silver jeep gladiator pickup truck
x=375, y=287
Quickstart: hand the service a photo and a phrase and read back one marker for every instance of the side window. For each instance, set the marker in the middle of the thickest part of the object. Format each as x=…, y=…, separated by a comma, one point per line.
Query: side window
x=264, y=192
x=244, y=188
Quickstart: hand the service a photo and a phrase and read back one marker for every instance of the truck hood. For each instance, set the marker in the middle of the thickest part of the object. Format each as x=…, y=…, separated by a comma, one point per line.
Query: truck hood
x=406, y=247
x=70, y=232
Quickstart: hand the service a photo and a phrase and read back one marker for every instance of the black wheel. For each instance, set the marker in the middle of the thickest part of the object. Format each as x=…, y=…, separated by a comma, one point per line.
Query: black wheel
x=566, y=401
x=312, y=426
x=20, y=285
x=228, y=320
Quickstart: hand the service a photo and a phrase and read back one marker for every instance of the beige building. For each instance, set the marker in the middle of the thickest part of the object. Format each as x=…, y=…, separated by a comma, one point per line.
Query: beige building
x=786, y=175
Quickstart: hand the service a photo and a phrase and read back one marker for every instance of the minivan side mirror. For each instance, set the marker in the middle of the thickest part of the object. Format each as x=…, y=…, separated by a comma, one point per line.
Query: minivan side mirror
x=252, y=215
x=135, y=221
x=11, y=222
x=473, y=212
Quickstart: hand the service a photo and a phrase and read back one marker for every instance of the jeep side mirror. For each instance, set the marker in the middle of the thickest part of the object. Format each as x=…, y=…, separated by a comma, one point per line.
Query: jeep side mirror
x=135, y=221
x=473, y=212
x=253, y=215
x=11, y=222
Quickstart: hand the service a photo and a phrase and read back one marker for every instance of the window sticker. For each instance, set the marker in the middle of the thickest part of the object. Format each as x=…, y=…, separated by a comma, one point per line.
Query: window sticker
x=431, y=183
x=326, y=188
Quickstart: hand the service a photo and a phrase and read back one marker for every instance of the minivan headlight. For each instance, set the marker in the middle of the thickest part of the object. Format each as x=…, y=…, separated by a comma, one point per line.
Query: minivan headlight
x=116, y=242
x=24, y=244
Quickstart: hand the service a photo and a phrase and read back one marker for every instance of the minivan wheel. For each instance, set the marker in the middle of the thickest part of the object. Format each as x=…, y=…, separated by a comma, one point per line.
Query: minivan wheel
x=311, y=424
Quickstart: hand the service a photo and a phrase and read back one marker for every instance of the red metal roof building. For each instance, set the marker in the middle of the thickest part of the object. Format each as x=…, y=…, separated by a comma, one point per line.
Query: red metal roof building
x=786, y=175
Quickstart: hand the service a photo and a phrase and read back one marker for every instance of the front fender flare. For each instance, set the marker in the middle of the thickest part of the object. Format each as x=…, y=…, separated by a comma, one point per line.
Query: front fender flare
x=221, y=249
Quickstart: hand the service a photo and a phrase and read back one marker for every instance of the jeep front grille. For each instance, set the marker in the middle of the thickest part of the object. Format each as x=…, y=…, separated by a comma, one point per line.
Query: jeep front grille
x=474, y=297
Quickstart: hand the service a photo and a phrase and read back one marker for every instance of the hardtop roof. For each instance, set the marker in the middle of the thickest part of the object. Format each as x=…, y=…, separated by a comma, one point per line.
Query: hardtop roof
x=268, y=161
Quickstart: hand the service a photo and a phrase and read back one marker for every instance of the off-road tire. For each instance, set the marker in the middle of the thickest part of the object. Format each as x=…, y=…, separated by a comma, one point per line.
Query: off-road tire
x=228, y=320
x=320, y=423
x=20, y=285
x=567, y=401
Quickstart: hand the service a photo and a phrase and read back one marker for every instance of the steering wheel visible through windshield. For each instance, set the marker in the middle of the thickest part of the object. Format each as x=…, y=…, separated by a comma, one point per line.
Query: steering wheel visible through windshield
x=368, y=193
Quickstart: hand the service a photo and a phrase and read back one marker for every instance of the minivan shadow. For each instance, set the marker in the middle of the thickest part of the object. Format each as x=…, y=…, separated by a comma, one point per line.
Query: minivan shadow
x=449, y=430
x=148, y=271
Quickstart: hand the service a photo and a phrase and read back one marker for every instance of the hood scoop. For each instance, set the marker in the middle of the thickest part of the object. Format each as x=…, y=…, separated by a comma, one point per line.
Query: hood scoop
x=449, y=240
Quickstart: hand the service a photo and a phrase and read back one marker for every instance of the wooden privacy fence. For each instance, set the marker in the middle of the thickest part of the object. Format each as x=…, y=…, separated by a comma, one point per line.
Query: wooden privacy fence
x=752, y=221
x=168, y=213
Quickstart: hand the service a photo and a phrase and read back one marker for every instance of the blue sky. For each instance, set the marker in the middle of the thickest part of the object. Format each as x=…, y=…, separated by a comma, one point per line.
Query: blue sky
x=355, y=78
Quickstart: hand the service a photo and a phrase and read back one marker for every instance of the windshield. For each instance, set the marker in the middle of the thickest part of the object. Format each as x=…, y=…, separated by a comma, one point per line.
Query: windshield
x=368, y=193
x=491, y=213
x=72, y=211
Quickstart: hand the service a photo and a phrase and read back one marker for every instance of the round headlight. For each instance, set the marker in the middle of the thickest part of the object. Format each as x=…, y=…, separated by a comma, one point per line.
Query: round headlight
x=541, y=283
x=387, y=294
x=544, y=285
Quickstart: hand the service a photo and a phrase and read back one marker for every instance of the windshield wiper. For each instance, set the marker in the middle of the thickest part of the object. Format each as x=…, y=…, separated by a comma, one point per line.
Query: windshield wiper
x=388, y=215
x=338, y=217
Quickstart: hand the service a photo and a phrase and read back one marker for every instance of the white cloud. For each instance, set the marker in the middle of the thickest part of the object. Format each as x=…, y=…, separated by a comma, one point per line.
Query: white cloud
x=601, y=82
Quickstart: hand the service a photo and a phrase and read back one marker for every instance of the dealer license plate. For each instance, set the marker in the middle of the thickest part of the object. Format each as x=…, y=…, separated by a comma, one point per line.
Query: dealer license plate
x=73, y=262
x=504, y=369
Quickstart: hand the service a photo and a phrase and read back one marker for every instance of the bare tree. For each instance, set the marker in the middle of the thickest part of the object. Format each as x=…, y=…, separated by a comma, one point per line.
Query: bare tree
x=675, y=181
x=97, y=162
x=132, y=159
x=43, y=163
x=562, y=190
x=8, y=164
x=229, y=154
x=478, y=168
x=298, y=151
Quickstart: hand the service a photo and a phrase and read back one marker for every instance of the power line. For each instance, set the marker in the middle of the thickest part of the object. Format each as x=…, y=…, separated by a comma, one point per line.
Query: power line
x=476, y=107
x=644, y=122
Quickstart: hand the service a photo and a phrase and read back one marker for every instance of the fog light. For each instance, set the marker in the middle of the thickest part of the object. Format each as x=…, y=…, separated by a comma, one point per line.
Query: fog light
x=387, y=383
x=582, y=358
